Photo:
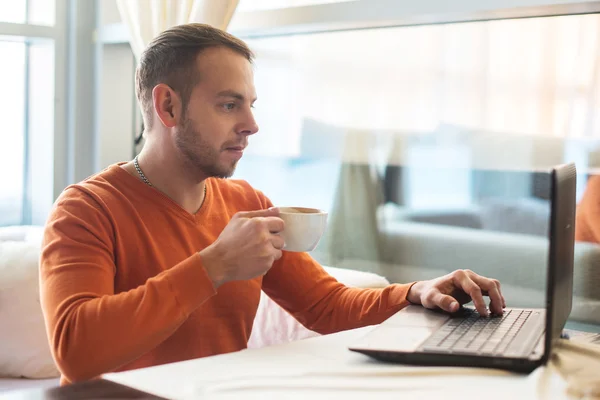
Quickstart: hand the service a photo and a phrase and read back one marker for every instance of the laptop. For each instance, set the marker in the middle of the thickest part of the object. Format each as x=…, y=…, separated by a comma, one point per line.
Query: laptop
x=520, y=340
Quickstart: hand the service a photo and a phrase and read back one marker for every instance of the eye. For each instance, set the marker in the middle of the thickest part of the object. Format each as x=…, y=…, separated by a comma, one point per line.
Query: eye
x=228, y=106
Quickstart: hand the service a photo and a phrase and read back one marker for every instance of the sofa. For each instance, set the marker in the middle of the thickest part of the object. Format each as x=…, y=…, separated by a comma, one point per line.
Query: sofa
x=25, y=358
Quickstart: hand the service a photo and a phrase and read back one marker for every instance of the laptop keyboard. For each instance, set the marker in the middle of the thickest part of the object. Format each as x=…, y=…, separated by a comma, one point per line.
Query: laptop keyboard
x=474, y=334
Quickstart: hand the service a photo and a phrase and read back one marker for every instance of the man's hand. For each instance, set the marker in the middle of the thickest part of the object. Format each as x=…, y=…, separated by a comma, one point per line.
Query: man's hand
x=459, y=287
x=246, y=248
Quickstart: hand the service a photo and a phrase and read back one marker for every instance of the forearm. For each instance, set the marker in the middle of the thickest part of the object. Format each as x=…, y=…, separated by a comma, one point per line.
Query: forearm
x=318, y=301
x=92, y=334
x=349, y=308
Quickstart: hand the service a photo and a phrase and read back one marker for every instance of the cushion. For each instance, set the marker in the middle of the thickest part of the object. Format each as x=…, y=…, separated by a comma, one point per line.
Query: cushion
x=273, y=325
x=24, y=349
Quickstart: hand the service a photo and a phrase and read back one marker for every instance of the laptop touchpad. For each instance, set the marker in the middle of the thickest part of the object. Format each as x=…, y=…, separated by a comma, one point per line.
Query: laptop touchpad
x=403, y=331
x=392, y=338
x=417, y=316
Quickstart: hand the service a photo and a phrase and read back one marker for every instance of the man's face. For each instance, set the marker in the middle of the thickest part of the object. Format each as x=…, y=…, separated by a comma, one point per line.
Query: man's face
x=218, y=120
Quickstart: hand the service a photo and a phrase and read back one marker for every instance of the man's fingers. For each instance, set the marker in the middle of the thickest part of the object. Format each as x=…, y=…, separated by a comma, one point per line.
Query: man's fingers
x=443, y=301
x=277, y=242
x=270, y=212
x=270, y=224
x=274, y=224
x=492, y=287
x=496, y=302
x=499, y=286
x=463, y=281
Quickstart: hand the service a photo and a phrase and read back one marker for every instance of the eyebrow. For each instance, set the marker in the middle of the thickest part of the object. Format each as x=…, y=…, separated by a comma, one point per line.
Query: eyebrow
x=233, y=94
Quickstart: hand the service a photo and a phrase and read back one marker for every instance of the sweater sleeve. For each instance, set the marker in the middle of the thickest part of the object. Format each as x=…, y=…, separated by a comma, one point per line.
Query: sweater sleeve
x=320, y=303
x=587, y=225
x=91, y=329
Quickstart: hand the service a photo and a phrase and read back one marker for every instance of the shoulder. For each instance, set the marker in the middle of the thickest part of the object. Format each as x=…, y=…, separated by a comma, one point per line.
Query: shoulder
x=77, y=217
x=96, y=191
x=87, y=203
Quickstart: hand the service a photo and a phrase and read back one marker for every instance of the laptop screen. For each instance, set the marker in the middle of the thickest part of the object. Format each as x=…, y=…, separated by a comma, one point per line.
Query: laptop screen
x=560, y=258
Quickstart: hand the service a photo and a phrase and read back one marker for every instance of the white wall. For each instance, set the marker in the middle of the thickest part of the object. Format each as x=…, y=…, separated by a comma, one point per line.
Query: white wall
x=109, y=12
x=116, y=97
x=117, y=105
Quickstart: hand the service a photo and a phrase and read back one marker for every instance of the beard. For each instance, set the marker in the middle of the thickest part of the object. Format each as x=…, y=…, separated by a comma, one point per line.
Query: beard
x=199, y=154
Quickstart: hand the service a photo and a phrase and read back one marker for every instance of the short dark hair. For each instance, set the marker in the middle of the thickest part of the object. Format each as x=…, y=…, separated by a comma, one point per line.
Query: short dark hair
x=170, y=58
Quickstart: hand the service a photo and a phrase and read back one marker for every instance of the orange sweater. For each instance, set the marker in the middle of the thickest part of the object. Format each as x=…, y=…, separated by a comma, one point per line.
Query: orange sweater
x=123, y=287
x=587, y=226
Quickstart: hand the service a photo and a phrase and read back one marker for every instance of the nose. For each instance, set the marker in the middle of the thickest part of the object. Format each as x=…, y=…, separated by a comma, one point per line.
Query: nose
x=249, y=127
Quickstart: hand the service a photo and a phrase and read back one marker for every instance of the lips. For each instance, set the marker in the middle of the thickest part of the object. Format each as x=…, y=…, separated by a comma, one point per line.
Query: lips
x=236, y=152
x=236, y=147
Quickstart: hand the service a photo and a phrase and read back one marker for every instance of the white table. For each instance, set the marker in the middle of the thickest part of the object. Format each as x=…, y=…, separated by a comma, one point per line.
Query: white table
x=323, y=368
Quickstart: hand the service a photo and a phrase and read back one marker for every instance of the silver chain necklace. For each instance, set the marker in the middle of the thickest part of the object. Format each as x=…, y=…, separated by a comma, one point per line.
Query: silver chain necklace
x=147, y=182
x=139, y=171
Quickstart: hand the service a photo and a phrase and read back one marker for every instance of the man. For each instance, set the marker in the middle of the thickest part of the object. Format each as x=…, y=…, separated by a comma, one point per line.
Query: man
x=160, y=260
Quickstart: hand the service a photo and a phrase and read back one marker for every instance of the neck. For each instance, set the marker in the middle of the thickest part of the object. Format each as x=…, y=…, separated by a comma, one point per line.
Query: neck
x=171, y=176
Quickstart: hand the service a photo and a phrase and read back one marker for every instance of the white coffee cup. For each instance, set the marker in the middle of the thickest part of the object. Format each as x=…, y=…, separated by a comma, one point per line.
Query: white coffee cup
x=303, y=227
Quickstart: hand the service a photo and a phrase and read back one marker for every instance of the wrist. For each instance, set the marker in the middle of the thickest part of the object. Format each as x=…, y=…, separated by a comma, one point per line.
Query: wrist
x=414, y=293
x=212, y=264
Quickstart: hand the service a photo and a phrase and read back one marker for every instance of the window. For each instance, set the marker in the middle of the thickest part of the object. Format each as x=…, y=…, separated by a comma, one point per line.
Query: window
x=436, y=125
x=36, y=12
x=12, y=151
x=41, y=12
x=476, y=95
x=472, y=75
x=27, y=136
x=13, y=11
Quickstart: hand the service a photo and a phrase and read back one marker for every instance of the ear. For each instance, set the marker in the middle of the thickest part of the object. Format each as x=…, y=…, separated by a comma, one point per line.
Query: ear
x=167, y=105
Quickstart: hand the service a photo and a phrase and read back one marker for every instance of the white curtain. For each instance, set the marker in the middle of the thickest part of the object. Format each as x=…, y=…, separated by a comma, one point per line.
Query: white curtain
x=145, y=19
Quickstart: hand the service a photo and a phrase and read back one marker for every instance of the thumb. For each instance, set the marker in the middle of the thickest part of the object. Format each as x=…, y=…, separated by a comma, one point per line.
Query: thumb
x=445, y=302
x=270, y=212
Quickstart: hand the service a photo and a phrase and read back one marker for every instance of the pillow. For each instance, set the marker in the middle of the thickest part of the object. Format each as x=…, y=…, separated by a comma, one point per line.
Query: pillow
x=273, y=325
x=359, y=279
x=24, y=348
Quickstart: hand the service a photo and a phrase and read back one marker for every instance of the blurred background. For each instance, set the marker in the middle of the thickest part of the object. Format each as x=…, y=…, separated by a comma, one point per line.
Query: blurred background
x=425, y=130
